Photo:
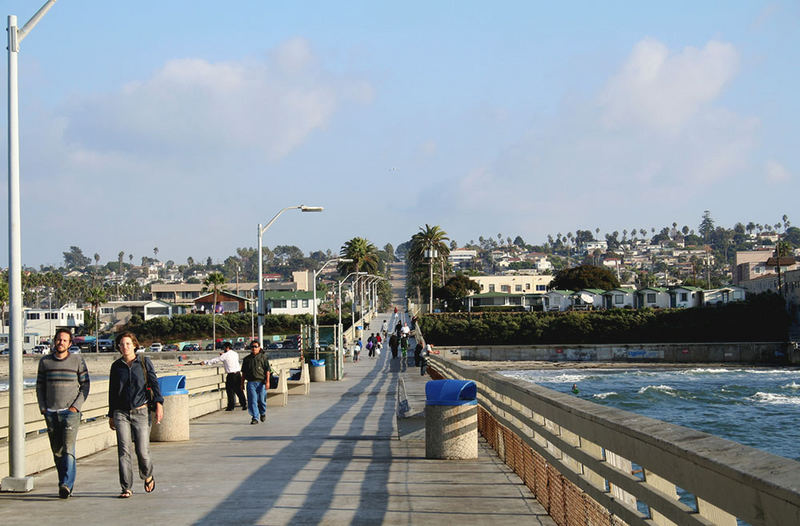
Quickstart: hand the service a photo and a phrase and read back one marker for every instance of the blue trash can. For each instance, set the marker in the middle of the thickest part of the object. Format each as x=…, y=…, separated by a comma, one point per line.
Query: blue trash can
x=451, y=419
x=317, y=370
x=175, y=424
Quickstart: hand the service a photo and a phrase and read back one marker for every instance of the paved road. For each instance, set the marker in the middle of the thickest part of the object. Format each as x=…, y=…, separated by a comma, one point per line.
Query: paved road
x=332, y=457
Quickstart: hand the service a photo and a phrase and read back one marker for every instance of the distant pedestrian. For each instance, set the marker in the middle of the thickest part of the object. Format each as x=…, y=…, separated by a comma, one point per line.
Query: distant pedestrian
x=233, y=376
x=404, y=346
x=423, y=362
x=393, y=343
x=255, y=369
x=356, y=350
x=372, y=343
x=132, y=387
x=384, y=327
x=62, y=385
x=405, y=330
x=398, y=329
x=417, y=354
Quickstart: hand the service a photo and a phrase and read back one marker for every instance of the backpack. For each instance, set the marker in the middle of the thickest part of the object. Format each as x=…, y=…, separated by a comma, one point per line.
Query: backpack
x=369, y=346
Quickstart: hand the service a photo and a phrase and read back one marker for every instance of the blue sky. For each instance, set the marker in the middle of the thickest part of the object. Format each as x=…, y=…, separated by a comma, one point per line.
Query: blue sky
x=182, y=125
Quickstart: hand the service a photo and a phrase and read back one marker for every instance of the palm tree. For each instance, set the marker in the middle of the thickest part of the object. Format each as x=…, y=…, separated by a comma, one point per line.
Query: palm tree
x=434, y=240
x=213, y=282
x=96, y=297
x=364, y=256
x=155, y=253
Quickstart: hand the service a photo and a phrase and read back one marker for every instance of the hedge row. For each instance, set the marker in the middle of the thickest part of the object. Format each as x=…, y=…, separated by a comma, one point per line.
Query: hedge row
x=761, y=318
x=199, y=326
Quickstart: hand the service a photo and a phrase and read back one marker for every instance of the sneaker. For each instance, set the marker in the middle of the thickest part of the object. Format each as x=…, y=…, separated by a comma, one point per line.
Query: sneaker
x=254, y=421
x=263, y=417
x=64, y=492
x=244, y=408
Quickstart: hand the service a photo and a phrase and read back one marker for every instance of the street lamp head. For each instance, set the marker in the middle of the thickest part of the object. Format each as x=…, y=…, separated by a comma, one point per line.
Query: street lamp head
x=304, y=208
x=344, y=260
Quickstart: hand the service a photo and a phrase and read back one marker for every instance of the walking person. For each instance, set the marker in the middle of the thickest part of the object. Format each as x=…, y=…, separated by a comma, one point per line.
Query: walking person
x=393, y=343
x=132, y=391
x=233, y=376
x=356, y=350
x=255, y=369
x=417, y=354
x=384, y=327
x=62, y=385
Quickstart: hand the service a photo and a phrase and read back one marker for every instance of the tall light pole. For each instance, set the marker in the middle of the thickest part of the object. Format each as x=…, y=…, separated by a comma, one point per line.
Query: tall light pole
x=261, y=231
x=16, y=481
x=340, y=342
x=431, y=253
x=314, y=286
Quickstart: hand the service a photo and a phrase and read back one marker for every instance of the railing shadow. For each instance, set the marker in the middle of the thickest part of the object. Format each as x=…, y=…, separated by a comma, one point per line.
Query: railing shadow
x=264, y=487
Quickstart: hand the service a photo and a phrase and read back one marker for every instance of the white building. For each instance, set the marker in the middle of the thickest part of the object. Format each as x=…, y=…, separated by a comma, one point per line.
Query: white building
x=41, y=324
x=461, y=256
x=117, y=313
x=514, y=284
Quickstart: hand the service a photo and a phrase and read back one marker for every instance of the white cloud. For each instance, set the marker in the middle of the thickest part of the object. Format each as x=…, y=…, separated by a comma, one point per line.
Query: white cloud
x=265, y=108
x=776, y=172
x=664, y=91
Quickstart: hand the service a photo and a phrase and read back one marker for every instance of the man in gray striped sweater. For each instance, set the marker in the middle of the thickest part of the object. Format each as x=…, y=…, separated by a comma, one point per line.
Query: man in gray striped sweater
x=62, y=385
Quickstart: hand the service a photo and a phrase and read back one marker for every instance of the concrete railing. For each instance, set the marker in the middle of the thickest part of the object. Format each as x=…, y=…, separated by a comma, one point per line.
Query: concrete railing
x=592, y=464
x=206, y=386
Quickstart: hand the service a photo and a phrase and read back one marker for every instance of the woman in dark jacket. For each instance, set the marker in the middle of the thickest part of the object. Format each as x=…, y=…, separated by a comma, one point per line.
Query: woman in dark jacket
x=129, y=381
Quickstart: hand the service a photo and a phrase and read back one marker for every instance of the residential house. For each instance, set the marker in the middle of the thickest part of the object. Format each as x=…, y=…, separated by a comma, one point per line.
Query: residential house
x=226, y=302
x=620, y=298
x=290, y=302
x=114, y=314
x=558, y=300
x=587, y=299
x=461, y=257
x=494, y=299
x=653, y=297
x=685, y=297
x=41, y=324
x=722, y=295
x=516, y=283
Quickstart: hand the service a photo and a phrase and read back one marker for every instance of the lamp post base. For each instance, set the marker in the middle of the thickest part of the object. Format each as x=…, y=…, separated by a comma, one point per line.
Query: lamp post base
x=16, y=484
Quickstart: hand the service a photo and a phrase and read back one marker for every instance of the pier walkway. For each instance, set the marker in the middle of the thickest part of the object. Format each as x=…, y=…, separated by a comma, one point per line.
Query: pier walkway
x=330, y=457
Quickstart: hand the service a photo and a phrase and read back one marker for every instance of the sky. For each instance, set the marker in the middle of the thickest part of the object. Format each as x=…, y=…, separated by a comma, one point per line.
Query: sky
x=183, y=125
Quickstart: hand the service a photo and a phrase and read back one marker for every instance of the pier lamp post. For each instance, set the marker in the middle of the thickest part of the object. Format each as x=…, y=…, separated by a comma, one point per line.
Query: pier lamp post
x=314, y=286
x=16, y=481
x=340, y=342
x=261, y=230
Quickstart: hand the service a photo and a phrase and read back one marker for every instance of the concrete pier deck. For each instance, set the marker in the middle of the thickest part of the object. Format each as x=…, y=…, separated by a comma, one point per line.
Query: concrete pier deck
x=331, y=457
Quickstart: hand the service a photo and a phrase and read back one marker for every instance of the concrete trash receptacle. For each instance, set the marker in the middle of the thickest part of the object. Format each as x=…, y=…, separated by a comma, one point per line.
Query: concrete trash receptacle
x=175, y=424
x=451, y=419
x=317, y=370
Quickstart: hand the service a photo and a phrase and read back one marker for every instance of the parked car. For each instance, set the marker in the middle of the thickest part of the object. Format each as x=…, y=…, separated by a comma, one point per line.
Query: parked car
x=105, y=344
x=156, y=347
x=75, y=349
x=140, y=349
x=238, y=346
x=41, y=349
x=171, y=348
x=190, y=347
x=210, y=347
x=274, y=345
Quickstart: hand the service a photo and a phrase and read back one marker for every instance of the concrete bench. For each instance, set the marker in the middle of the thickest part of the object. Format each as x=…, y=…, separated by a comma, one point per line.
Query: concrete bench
x=301, y=386
x=279, y=396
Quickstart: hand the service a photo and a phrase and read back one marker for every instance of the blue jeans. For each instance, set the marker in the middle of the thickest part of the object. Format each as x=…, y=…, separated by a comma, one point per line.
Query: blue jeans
x=133, y=429
x=256, y=398
x=62, y=429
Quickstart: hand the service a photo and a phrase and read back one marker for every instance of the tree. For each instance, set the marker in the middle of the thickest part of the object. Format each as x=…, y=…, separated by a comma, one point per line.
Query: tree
x=96, y=297
x=421, y=261
x=456, y=289
x=518, y=241
x=75, y=258
x=155, y=253
x=364, y=256
x=213, y=282
x=706, y=226
x=584, y=277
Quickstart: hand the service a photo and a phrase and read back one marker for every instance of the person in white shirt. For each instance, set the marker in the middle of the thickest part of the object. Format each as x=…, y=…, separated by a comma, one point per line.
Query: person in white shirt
x=233, y=376
x=405, y=330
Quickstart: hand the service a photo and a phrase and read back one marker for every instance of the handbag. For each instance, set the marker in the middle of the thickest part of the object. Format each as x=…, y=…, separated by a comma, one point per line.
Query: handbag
x=147, y=389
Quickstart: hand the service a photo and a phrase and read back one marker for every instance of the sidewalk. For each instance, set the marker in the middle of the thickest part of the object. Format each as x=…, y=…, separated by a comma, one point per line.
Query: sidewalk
x=331, y=457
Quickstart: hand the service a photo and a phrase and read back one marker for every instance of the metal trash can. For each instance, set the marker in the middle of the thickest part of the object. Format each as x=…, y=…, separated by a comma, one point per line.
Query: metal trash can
x=451, y=419
x=317, y=370
x=174, y=426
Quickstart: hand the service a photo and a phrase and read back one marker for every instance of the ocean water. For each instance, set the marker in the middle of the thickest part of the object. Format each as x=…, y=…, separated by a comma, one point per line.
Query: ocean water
x=757, y=407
